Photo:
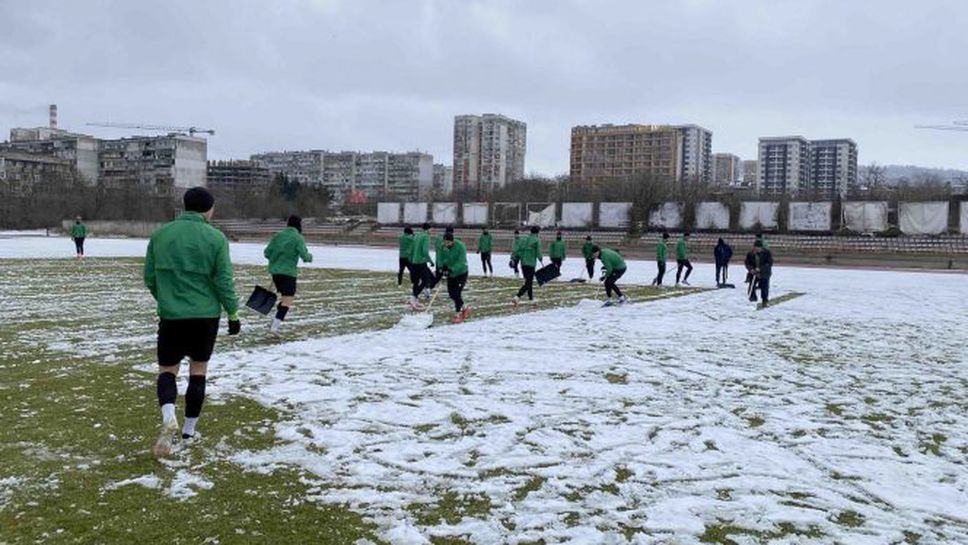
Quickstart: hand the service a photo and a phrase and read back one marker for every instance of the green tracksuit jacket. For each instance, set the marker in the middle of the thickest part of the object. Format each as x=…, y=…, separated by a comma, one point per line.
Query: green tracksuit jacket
x=586, y=249
x=78, y=230
x=681, y=249
x=284, y=251
x=660, y=252
x=454, y=259
x=406, y=246
x=557, y=249
x=421, y=249
x=529, y=250
x=188, y=270
x=611, y=260
x=485, y=243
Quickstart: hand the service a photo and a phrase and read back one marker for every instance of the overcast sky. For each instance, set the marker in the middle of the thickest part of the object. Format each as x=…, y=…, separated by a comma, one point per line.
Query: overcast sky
x=390, y=75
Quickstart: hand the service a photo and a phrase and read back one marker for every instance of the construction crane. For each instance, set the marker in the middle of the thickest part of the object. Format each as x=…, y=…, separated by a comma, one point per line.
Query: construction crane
x=961, y=126
x=190, y=130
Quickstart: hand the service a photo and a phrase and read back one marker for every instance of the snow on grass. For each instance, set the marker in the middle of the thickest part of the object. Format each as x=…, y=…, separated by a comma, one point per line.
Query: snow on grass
x=835, y=416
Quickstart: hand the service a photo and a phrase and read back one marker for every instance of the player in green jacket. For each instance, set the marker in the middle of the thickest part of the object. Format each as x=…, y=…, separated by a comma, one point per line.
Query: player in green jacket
x=661, y=250
x=515, y=259
x=284, y=251
x=485, y=243
x=682, y=259
x=529, y=253
x=438, y=250
x=453, y=263
x=614, y=267
x=586, y=252
x=557, y=251
x=189, y=274
x=78, y=234
x=419, y=260
x=406, y=248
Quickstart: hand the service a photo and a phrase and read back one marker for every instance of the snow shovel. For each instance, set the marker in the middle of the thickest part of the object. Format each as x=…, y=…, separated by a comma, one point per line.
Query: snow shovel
x=423, y=319
x=261, y=300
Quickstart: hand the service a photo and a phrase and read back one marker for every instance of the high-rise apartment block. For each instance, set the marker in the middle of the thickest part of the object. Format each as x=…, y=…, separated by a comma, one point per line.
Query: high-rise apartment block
x=377, y=174
x=602, y=153
x=606, y=152
x=488, y=151
x=791, y=164
x=727, y=168
x=80, y=149
x=696, y=152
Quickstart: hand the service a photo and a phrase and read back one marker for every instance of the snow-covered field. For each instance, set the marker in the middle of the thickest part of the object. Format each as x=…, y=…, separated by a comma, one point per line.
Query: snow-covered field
x=835, y=417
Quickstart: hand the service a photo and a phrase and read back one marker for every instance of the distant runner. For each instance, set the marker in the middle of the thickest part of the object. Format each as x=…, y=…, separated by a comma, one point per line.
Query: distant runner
x=189, y=273
x=722, y=253
x=682, y=259
x=406, y=248
x=586, y=252
x=453, y=262
x=78, y=234
x=614, y=268
x=661, y=250
x=485, y=243
x=557, y=251
x=284, y=251
x=529, y=253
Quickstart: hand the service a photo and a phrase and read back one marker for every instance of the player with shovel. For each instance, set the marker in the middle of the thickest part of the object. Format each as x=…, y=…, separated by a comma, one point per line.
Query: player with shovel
x=284, y=251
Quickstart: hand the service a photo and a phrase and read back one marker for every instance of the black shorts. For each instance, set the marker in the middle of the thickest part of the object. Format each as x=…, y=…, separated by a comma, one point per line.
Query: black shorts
x=285, y=284
x=194, y=337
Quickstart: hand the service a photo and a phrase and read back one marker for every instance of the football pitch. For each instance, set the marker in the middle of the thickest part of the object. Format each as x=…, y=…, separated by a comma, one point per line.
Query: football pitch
x=836, y=416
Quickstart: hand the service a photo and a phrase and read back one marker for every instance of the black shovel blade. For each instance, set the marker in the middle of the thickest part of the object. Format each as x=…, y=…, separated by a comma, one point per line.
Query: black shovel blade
x=547, y=274
x=261, y=300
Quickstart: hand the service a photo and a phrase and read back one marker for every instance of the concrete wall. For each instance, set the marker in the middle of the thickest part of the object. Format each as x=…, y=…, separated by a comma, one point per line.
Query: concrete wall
x=141, y=229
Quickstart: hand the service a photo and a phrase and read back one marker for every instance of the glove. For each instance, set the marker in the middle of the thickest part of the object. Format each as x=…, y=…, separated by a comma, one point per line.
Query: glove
x=234, y=324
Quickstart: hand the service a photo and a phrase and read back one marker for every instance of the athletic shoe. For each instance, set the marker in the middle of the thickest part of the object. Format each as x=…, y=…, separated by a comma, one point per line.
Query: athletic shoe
x=425, y=294
x=608, y=302
x=415, y=304
x=465, y=312
x=514, y=301
x=275, y=325
x=622, y=300
x=686, y=283
x=677, y=284
x=165, y=439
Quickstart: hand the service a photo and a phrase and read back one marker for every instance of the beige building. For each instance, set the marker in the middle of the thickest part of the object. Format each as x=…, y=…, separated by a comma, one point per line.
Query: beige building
x=727, y=168
x=751, y=169
x=601, y=153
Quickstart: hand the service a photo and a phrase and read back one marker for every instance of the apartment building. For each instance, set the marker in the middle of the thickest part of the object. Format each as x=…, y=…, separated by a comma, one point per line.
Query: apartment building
x=696, y=153
x=443, y=180
x=238, y=175
x=602, y=153
x=833, y=166
x=791, y=164
x=374, y=175
x=19, y=171
x=727, y=168
x=80, y=149
x=489, y=151
x=159, y=162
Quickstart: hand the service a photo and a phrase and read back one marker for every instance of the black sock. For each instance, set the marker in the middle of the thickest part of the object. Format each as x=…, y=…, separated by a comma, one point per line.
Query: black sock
x=167, y=390
x=281, y=312
x=194, y=396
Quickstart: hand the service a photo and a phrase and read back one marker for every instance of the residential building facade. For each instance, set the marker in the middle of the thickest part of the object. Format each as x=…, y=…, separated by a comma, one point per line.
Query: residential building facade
x=489, y=151
x=164, y=163
x=602, y=153
x=792, y=164
x=20, y=170
x=833, y=166
x=346, y=174
x=80, y=149
x=696, y=153
x=238, y=175
x=443, y=180
x=751, y=169
x=727, y=168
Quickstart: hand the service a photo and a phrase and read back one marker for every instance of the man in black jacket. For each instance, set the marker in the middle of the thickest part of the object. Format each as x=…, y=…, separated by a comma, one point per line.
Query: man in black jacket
x=750, y=264
x=763, y=271
x=722, y=253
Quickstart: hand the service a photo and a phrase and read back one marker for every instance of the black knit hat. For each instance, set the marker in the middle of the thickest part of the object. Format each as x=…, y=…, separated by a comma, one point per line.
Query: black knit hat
x=449, y=236
x=426, y=226
x=448, y=229
x=294, y=221
x=535, y=230
x=407, y=230
x=198, y=199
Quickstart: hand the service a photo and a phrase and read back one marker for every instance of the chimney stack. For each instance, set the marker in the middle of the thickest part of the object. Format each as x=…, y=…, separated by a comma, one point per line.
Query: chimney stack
x=53, y=116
